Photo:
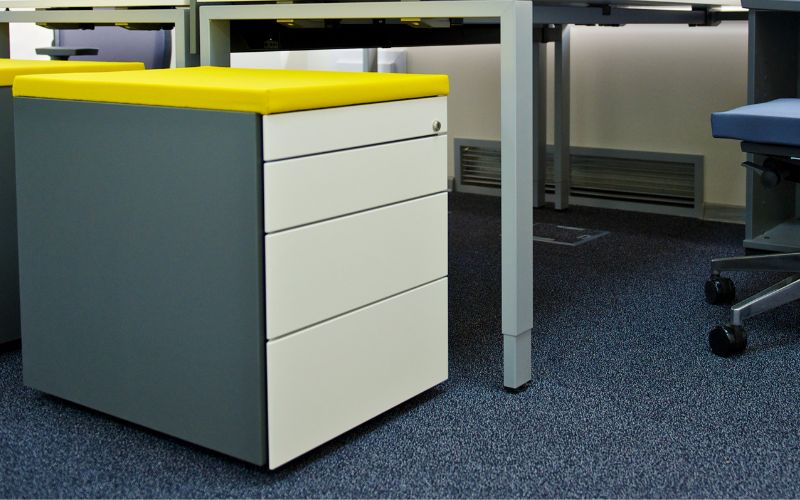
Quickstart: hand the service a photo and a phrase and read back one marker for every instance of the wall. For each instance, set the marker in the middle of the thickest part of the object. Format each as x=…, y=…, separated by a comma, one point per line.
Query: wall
x=26, y=37
x=647, y=88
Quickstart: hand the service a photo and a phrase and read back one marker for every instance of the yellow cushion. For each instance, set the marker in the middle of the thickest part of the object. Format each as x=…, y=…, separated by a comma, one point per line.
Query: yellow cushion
x=10, y=68
x=234, y=89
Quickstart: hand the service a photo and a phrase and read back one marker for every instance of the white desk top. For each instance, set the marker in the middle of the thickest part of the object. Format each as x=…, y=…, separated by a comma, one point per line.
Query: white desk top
x=52, y=4
x=644, y=3
x=637, y=3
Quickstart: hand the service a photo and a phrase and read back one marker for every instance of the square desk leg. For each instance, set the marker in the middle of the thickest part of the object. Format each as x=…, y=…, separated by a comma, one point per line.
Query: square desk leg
x=539, y=116
x=5, y=43
x=561, y=159
x=516, y=191
x=516, y=127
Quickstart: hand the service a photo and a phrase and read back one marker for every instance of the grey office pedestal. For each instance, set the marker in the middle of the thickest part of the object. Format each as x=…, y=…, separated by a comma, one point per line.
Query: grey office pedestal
x=199, y=273
x=774, y=44
x=141, y=264
x=9, y=278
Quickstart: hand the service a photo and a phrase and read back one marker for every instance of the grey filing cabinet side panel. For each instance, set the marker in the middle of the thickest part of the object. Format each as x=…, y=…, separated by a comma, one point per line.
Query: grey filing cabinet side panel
x=772, y=73
x=142, y=269
x=9, y=277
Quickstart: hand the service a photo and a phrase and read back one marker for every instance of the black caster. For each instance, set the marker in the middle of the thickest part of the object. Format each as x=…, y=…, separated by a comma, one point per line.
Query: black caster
x=770, y=175
x=727, y=340
x=770, y=178
x=720, y=290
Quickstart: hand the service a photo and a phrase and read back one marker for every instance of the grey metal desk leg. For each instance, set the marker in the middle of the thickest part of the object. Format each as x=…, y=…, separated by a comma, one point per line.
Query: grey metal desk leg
x=183, y=42
x=561, y=164
x=539, y=117
x=370, y=60
x=516, y=130
x=215, y=43
x=5, y=41
x=194, y=32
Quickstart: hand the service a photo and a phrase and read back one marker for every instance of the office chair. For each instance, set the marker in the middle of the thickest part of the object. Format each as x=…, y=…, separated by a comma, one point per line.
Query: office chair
x=771, y=131
x=112, y=43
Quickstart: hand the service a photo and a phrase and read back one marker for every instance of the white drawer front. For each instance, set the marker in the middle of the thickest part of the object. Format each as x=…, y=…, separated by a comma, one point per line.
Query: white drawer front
x=301, y=133
x=316, y=272
x=329, y=378
x=313, y=188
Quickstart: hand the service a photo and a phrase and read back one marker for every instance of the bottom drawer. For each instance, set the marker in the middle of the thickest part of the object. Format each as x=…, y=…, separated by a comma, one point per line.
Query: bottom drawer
x=331, y=377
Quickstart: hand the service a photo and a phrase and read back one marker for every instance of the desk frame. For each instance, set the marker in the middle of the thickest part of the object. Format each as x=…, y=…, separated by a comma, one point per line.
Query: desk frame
x=525, y=28
x=559, y=17
x=523, y=96
x=185, y=43
x=517, y=129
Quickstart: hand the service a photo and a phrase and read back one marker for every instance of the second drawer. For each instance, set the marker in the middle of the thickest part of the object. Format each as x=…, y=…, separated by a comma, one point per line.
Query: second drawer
x=313, y=188
x=320, y=271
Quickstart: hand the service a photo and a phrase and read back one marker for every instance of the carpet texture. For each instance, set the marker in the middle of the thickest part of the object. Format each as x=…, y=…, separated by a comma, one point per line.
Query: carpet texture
x=626, y=400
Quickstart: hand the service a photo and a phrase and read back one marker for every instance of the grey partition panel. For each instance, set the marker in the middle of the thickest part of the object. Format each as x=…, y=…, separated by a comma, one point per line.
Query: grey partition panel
x=141, y=262
x=773, y=73
x=9, y=279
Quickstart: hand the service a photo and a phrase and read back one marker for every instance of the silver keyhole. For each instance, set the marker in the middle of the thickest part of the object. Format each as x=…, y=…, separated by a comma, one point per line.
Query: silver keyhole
x=437, y=125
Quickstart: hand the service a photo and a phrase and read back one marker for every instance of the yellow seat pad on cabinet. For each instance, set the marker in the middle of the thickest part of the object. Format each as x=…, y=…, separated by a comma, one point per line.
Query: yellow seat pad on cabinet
x=261, y=91
x=11, y=68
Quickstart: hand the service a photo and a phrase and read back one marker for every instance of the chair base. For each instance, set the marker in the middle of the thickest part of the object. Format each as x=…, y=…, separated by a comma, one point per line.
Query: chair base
x=730, y=339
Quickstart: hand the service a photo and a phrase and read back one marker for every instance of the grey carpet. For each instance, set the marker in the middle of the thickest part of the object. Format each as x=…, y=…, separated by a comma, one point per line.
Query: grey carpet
x=626, y=400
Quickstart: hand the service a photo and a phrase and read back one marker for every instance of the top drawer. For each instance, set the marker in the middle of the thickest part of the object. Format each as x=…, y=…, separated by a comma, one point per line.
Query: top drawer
x=301, y=133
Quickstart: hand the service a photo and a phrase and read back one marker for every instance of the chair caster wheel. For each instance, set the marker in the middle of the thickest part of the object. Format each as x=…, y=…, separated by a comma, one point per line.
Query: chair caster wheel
x=720, y=290
x=770, y=175
x=727, y=340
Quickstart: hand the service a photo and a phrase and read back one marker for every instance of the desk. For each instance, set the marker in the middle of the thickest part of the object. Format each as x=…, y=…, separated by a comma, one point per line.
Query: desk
x=560, y=14
x=177, y=13
x=516, y=66
x=522, y=29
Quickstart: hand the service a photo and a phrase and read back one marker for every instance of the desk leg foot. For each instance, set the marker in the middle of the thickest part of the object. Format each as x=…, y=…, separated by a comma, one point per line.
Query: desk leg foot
x=517, y=390
x=517, y=360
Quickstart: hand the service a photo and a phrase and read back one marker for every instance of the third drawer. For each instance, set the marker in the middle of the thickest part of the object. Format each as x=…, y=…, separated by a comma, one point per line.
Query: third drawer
x=319, y=271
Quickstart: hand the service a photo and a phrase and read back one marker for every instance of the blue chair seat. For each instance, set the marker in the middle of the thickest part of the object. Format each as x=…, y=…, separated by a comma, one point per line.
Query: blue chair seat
x=773, y=122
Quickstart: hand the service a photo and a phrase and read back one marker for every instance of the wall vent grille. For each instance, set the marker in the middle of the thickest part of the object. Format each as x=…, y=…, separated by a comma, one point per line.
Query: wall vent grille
x=630, y=180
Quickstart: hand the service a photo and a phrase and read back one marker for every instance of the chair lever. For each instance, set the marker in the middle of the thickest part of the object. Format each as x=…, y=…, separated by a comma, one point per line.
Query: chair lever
x=771, y=176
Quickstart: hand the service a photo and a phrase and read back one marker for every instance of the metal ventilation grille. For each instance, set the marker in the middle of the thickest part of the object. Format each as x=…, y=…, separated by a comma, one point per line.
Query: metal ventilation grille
x=629, y=179
x=653, y=182
x=480, y=166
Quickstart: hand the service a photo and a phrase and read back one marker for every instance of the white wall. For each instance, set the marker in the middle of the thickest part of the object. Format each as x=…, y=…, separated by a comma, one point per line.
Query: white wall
x=309, y=59
x=26, y=37
x=648, y=88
